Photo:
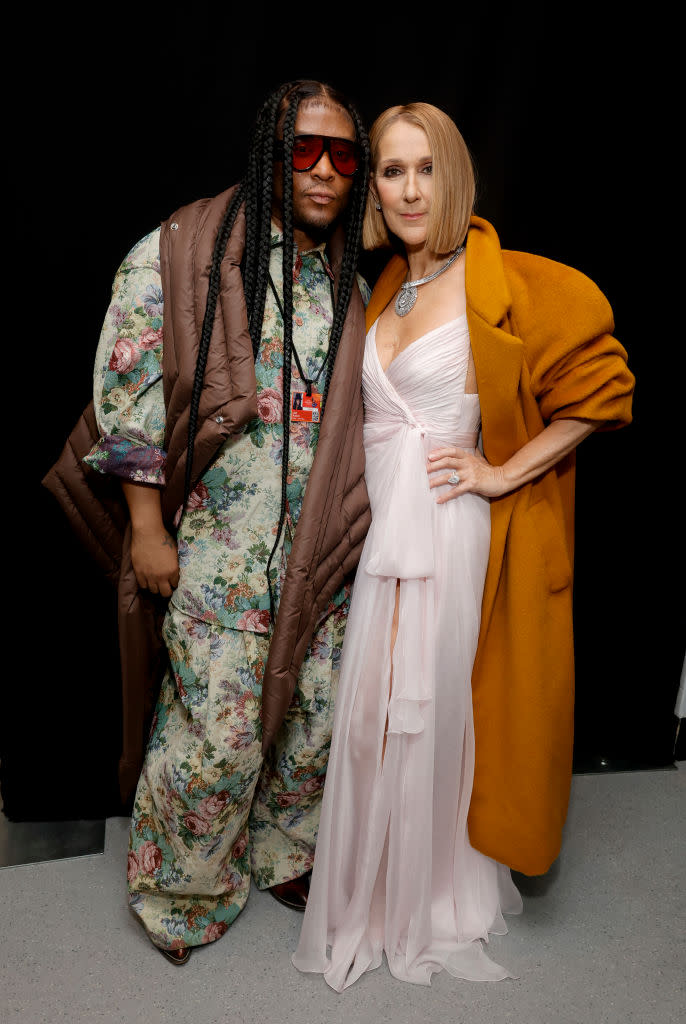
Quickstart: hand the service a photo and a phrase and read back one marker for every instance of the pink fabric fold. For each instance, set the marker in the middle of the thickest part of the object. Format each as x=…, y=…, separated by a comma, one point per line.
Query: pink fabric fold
x=394, y=871
x=409, y=507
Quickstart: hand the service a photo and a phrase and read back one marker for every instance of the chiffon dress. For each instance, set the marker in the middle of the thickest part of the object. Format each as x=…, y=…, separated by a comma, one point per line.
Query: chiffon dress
x=394, y=871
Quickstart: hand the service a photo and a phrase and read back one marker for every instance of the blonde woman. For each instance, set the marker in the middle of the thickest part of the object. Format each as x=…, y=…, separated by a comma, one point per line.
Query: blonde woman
x=451, y=755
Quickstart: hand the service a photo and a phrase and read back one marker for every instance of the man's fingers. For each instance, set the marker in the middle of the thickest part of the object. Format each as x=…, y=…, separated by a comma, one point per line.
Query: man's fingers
x=164, y=585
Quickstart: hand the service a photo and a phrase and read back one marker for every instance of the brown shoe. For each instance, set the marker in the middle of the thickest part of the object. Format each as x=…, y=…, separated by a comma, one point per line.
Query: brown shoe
x=293, y=893
x=180, y=955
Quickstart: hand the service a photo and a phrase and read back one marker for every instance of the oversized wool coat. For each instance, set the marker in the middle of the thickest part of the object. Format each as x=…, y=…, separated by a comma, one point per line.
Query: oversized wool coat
x=543, y=350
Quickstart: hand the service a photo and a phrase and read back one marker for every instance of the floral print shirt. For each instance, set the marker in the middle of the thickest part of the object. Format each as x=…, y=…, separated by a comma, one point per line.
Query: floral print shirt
x=227, y=532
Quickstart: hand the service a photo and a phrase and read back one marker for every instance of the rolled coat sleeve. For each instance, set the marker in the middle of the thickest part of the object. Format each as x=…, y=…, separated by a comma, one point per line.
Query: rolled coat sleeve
x=577, y=368
x=127, y=383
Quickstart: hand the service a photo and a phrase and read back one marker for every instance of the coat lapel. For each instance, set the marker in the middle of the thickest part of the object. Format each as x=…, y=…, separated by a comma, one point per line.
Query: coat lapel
x=385, y=288
x=498, y=356
x=497, y=353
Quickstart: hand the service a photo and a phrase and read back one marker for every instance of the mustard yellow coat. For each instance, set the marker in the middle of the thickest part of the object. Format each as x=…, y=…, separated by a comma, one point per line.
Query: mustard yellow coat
x=543, y=350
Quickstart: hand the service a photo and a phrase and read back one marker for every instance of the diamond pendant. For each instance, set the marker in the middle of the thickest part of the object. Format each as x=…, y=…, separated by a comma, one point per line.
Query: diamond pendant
x=406, y=300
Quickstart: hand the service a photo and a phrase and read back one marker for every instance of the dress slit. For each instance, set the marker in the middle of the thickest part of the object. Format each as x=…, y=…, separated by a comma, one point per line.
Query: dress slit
x=395, y=626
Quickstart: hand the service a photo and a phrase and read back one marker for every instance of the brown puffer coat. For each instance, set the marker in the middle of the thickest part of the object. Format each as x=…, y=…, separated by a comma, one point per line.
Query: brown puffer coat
x=335, y=514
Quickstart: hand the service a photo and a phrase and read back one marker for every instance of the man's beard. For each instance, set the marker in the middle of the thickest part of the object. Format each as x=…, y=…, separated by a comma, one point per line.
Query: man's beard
x=314, y=226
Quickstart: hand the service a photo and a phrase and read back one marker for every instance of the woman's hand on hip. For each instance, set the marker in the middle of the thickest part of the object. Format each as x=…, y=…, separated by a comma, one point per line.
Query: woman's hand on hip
x=476, y=474
x=537, y=456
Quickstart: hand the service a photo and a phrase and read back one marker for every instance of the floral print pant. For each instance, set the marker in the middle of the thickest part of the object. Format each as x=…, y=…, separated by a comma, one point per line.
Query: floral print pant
x=209, y=811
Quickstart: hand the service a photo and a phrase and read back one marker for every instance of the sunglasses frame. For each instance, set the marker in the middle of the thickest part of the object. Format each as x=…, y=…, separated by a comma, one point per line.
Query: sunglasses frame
x=327, y=141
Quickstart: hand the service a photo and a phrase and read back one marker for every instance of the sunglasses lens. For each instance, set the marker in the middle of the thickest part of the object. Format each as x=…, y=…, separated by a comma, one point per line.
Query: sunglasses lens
x=307, y=150
x=344, y=156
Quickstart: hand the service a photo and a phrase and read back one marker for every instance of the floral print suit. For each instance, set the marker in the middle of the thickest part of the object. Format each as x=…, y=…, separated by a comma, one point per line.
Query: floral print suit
x=209, y=811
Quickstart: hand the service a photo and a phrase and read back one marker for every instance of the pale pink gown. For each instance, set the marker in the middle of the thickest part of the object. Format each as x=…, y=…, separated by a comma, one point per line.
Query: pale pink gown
x=394, y=871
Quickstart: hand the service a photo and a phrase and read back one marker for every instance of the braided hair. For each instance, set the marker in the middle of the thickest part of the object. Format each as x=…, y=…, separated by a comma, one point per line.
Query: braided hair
x=255, y=193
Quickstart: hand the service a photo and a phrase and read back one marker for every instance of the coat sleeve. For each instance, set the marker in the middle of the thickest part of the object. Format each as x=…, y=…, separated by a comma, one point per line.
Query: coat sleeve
x=577, y=368
x=127, y=387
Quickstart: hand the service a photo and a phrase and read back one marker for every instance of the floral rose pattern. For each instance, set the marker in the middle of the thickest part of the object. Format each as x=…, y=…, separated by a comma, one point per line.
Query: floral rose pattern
x=149, y=857
x=132, y=867
x=228, y=531
x=125, y=356
x=270, y=406
x=149, y=338
x=128, y=372
x=214, y=931
x=254, y=619
x=208, y=811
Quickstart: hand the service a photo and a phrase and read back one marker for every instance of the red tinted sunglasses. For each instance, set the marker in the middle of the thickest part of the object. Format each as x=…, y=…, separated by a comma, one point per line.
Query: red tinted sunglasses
x=309, y=149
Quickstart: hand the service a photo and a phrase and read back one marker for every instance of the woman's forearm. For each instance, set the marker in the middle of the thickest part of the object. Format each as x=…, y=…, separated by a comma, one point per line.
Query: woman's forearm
x=472, y=473
x=543, y=452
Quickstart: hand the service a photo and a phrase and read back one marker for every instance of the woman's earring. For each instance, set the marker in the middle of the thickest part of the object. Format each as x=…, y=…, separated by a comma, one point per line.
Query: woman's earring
x=378, y=205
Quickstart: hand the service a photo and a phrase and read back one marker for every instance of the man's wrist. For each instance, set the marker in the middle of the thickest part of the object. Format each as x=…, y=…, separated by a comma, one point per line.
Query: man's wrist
x=145, y=528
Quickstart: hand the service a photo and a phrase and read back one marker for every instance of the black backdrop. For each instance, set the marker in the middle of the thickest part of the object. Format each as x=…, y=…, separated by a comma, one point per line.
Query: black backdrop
x=115, y=125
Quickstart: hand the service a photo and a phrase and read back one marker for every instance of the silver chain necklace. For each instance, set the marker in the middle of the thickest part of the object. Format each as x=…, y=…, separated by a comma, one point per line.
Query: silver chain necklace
x=408, y=291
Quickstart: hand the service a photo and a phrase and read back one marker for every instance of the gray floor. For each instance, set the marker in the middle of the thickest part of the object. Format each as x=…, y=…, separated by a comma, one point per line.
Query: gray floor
x=601, y=939
x=29, y=842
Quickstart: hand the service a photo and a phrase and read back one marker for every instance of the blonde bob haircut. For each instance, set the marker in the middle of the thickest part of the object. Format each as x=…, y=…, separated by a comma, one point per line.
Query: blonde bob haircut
x=453, y=178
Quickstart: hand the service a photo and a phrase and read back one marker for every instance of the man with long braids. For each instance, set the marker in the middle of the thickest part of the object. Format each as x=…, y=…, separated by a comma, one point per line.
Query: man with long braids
x=245, y=442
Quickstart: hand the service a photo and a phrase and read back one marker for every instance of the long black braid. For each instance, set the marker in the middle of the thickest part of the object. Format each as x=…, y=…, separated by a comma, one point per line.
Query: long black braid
x=353, y=239
x=206, y=332
x=256, y=192
x=287, y=254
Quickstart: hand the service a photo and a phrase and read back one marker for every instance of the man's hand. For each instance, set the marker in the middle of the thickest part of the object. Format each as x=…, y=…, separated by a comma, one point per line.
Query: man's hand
x=155, y=560
x=153, y=550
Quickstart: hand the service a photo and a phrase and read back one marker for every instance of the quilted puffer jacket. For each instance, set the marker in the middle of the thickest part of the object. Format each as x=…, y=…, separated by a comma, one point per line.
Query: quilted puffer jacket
x=335, y=514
